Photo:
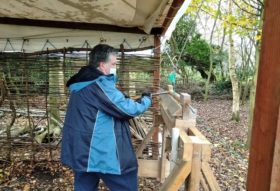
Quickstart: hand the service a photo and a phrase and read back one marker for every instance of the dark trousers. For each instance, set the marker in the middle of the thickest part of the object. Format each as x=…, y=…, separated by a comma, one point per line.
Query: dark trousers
x=88, y=181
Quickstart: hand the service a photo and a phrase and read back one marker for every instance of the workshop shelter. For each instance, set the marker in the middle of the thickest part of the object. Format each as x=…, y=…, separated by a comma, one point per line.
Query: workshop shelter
x=42, y=43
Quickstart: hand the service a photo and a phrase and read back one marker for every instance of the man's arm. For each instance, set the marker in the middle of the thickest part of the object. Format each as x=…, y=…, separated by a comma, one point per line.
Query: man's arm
x=113, y=102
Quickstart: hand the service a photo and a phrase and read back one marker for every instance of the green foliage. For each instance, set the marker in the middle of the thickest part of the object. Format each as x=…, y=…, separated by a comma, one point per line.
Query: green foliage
x=199, y=50
x=223, y=86
x=196, y=50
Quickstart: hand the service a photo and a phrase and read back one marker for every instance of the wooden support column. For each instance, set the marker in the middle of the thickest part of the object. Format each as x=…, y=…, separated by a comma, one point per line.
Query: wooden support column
x=163, y=156
x=195, y=175
x=266, y=111
x=275, y=179
x=156, y=84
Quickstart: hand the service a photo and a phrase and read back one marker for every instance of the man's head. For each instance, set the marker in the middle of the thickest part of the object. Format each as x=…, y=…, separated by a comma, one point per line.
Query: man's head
x=104, y=58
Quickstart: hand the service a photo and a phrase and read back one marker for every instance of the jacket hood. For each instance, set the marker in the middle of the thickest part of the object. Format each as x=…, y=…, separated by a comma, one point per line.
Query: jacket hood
x=86, y=73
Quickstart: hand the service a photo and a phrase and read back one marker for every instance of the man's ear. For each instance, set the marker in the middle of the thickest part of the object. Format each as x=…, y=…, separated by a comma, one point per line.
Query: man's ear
x=102, y=67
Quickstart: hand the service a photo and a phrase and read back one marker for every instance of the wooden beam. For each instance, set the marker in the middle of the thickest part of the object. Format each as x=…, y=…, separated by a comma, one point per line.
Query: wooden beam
x=71, y=49
x=177, y=177
x=176, y=4
x=156, y=84
x=206, y=150
x=185, y=124
x=275, y=179
x=75, y=25
x=194, y=179
x=151, y=168
x=185, y=147
x=163, y=157
x=145, y=141
x=168, y=120
x=267, y=103
x=209, y=178
x=172, y=106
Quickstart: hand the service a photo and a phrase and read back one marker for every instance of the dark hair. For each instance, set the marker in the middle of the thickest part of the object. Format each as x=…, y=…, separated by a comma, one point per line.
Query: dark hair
x=100, y=53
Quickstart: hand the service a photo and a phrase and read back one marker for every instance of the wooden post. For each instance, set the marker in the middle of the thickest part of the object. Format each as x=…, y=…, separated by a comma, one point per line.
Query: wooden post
x=194, y=179
x=163, y=156
x=275, y=179
x=266, y=110
x=156, y=84
x=176, y=178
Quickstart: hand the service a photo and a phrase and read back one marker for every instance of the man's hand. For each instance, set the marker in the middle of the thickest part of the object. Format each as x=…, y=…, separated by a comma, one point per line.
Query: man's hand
x=146, y=94
x=126, y=96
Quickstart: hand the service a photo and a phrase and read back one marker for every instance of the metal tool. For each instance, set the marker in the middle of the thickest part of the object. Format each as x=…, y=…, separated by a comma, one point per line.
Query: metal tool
x=159, y=93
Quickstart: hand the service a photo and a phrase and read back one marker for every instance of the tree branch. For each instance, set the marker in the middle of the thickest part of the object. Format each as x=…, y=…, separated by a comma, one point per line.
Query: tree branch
x=243, y=9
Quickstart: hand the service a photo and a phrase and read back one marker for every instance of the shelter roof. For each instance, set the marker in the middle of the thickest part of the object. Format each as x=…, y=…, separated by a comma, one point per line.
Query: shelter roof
x=39, y=24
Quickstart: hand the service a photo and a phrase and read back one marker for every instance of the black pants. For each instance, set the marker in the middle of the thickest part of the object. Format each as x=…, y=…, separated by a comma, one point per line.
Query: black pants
x=88, y=181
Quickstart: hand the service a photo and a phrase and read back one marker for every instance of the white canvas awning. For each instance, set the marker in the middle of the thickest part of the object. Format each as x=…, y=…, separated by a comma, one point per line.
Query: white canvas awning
x=34, y=25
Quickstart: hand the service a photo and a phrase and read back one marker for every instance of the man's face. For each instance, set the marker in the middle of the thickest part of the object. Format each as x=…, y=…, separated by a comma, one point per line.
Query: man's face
x=111, y=63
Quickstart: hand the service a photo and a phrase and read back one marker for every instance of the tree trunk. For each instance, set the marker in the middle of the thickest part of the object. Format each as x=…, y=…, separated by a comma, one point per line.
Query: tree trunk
x=232, y=73
x=211, y=54
x=220, y=52
x=254, y=85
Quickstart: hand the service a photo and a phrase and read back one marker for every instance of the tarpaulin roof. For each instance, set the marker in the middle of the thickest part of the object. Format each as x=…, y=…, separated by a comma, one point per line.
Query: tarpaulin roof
x=33, y=25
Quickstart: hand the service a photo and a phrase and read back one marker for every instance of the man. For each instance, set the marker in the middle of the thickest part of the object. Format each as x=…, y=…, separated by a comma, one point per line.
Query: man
x=172, y=77
x=96, y=141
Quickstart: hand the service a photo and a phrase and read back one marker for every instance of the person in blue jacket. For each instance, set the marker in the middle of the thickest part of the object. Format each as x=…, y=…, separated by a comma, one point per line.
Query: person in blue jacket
x=96, y=140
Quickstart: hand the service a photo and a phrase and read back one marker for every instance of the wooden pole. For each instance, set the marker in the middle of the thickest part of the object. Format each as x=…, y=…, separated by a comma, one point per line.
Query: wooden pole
x=275, y=179
x=156, y=84
x=267, y=103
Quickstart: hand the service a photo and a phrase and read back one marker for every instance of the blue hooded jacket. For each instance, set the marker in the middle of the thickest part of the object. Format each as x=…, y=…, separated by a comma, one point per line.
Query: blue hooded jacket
x=96, y=135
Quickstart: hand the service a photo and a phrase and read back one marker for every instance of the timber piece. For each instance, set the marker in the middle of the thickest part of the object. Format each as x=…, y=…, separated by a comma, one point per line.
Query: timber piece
x=204, y=184
x=185, y=147
x=145, y=141
x=195, y=175
x=266, y=112
x=206, y=149
x=185, y=98
x=177, y=176
x=171, y=105
x=151, y=168
x=167, y=118
x=185, y=124
x=275, y=176
x=209, y=177
x=134, y=130
x=157, y=120
x=163, y=157
x=173, y=93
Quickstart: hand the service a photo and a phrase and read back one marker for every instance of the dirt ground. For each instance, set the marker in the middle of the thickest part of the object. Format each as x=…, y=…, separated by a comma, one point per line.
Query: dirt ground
x=229, y=157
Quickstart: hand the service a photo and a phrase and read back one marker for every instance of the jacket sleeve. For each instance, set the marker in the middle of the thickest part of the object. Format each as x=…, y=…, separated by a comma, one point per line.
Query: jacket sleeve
x=113, y=102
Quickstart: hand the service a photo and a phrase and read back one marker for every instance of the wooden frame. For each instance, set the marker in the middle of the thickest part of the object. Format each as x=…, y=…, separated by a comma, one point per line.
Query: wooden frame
x=191, y=165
